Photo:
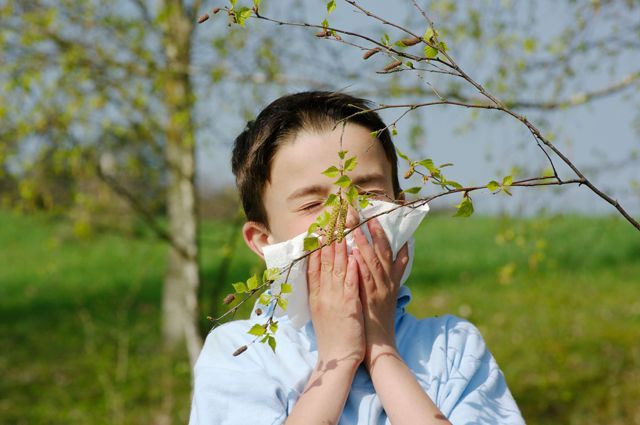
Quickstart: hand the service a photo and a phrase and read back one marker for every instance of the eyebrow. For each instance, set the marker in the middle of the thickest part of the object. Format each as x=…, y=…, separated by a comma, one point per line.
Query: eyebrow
x=319, y=189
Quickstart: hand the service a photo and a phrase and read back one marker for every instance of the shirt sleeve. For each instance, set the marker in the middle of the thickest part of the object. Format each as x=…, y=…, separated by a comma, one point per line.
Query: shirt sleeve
x=476, y=391
x=233, y=390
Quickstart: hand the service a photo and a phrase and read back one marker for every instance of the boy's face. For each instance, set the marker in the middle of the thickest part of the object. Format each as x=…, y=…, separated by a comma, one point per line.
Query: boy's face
x=294, y=197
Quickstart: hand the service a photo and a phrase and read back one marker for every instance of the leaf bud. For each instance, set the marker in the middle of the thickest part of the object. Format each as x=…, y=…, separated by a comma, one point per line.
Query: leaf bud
x=258, y=311
x=216, y=10
x=203, y=18
x=392, y=65
x=370, y=53
x=409, y=172
x=411, y=41
x=240, y=350
x=229, y=298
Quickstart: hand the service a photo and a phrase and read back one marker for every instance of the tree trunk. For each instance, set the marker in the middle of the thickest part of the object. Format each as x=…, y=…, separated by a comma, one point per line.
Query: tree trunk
x=180, y=304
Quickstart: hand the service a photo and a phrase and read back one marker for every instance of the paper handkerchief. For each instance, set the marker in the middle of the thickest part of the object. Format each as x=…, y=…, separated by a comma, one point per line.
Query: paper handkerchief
x=399, y=226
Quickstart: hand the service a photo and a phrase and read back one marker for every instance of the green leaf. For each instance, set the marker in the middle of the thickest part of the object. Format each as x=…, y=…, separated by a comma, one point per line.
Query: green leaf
x=272, y=343
x=374, y=134
x=332, y=172
x=493, y=185
x=452, y=183
x=350, y=164
x=400, y=44
x=271, y=274
x=428, y=34
x=394, y=130
x=341, y=154
x=252, y=282
x=324, y=23
x=428, y=164
x=344, y=181
x=265, y=298
x=352, y=194
x=311, y=243
x=385, y=39
x=282, y=302
x=257, y=330
x=331, y=200
x=240, y=287
x=364, y=201
x=285, y=288
x=312, y=228
x=273, y=327
x=331, y=5
x=256, y=3
x=323, y=219
x=413, y=190
x=430, y=52
x=242, y=15
x=465, y=208
x=448, y=164
x=403, y=156
x=507, y=181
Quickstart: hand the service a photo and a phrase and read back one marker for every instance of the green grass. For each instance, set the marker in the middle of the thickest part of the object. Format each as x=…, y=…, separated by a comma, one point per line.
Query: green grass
x=557, y=300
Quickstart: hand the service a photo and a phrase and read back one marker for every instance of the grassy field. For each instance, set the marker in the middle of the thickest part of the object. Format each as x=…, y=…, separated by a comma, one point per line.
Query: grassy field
x=556, y=298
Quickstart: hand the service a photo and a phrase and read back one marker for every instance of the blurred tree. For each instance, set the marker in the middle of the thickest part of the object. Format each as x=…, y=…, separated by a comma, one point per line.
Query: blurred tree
x=103, y=91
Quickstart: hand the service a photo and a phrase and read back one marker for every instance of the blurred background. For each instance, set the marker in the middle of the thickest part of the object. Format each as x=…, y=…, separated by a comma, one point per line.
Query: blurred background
x=120, y=223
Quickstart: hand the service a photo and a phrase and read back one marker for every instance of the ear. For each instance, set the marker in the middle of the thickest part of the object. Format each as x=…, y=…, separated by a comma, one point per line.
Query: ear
x=256, y=236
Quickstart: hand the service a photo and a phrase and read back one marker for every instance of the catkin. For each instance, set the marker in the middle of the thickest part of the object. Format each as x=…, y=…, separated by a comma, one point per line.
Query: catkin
x=332, y=223
x=342, y=219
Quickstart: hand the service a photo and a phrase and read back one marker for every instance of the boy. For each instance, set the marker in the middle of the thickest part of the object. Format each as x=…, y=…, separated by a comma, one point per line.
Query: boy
x=360, y=359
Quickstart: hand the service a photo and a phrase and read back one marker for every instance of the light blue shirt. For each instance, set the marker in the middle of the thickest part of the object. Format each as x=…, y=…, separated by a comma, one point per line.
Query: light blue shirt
x=447, y=355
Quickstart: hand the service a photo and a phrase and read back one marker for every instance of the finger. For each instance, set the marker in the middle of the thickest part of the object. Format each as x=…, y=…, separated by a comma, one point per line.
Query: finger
x=339, y=264
x=351, y=281
x=365, y=276
x=399, y=266
x=313, y=273
x=326, y=265
x=370, y=257
x=381, y=244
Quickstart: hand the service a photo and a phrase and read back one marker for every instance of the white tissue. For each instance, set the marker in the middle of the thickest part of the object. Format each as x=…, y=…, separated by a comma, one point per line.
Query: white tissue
x=399, y=225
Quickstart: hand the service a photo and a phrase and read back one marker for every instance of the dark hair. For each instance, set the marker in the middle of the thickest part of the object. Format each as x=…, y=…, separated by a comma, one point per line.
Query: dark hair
x=256, y=146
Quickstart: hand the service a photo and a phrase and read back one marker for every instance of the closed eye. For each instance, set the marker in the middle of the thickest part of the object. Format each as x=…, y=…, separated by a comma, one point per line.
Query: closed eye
x=310, y=207
x=317, y=204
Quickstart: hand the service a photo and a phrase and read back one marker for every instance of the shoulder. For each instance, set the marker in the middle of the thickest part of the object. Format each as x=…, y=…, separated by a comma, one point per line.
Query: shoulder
x=444, y=339
x=469, y=385
x=223, y=341
x=446, y=330
x=226, y=339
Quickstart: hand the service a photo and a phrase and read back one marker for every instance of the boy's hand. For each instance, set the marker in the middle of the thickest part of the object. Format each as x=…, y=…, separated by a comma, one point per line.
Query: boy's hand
x=380, y=283
x=336, y=311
